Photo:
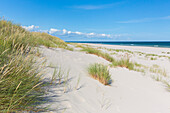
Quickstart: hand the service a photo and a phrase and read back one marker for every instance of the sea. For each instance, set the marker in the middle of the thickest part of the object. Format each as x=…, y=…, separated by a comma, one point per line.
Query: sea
x=163, y=44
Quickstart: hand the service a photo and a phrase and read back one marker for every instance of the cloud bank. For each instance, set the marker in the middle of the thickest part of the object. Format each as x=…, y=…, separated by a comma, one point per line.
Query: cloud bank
x=75, y=35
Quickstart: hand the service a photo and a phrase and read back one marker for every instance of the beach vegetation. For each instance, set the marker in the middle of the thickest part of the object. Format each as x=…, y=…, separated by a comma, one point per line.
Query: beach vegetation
x=168, y=85
x=65, y=82
x=49, y=41
x=157, y=78
x=151, y=55
x=124, y=62
x=99, y=53
x=21, y=86
x=100, y=72
x=137, y=64
x=158, y=71
x=139, y=70
x=78, y=82
x=153, y=58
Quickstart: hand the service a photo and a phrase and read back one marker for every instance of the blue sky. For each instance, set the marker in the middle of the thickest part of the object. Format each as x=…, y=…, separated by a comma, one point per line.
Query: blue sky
x=92, y=19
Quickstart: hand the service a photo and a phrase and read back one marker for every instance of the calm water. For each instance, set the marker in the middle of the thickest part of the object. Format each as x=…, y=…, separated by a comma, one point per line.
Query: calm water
x=130, y=43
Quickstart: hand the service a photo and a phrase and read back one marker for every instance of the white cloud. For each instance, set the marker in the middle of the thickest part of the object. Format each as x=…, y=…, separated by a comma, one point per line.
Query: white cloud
x=66, y=34
x=69, y=32
x=64, y=31
x=79, y=33
x=52, y=30
x=29, y=28
x=90, y=34
x=145, y=20
x=105, y=35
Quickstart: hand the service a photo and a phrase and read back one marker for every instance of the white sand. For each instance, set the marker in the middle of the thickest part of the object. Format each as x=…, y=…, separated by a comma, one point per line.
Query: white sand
x=130, y=91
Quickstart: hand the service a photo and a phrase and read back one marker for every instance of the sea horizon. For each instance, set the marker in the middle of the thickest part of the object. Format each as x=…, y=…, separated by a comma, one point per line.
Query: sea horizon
x=145, y=43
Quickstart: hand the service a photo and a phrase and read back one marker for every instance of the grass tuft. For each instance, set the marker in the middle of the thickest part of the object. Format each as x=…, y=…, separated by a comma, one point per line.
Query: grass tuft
x=124, y=63
x=100, y=72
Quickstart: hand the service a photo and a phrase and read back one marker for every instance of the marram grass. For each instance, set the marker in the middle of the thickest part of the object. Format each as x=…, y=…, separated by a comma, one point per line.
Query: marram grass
x=100, y=72
x=124, y=62
x=97, y=52
x=20, y=82
x=21, y=86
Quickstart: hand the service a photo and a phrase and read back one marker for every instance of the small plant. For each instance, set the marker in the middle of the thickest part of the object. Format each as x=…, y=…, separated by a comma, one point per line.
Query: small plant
x=138, y=65
x=69, y=48
x=57, y=75
x=124, y=62
x=168, y=85
x=100, y=72
x=60, y=75
x=66, y=81
x=78, y=81
x=139, y=70
x=152, y=58
x=54, y=76
x=158, y=71
x=157, y=78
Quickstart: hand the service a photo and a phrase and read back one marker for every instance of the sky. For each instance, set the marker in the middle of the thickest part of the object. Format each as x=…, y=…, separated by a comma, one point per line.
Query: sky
x=75, y=20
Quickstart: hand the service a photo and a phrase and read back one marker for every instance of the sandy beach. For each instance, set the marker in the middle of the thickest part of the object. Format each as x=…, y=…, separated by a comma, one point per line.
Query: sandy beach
x=130, y=91
x=85, y=56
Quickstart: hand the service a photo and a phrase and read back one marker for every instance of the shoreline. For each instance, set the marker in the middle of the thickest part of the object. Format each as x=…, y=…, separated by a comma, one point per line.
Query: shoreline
x=145, y=49
x=124, y=45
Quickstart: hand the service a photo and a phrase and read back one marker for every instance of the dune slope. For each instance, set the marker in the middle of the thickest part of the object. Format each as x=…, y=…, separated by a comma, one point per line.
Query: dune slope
x=130, y=91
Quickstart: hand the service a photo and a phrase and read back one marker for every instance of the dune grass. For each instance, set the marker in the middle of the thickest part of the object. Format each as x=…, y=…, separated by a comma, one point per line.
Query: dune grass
x=20, y=77
x=21, y=85
x=124, y=62
x=168, y=85
x=49, y=41
x=99, y=53
x=158, y=70
x=100, y=72
x=12, y=31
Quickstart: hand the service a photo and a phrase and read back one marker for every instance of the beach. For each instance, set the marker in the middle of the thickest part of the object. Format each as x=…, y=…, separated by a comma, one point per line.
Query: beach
x=141, y=90
x=84, y=56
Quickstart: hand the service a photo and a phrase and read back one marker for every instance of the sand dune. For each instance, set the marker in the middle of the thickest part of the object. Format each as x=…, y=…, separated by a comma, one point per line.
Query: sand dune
x=129, y=92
